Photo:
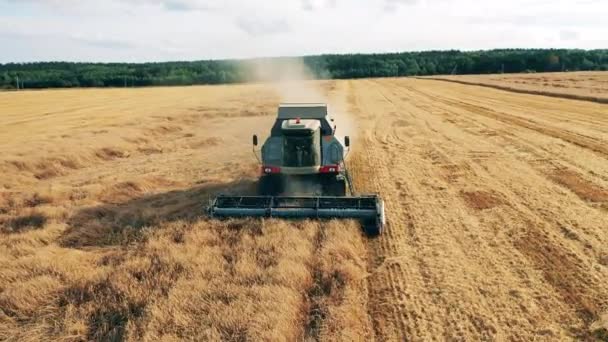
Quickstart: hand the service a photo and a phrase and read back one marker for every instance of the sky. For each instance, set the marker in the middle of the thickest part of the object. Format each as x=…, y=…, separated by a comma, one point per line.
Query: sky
x=171, y=30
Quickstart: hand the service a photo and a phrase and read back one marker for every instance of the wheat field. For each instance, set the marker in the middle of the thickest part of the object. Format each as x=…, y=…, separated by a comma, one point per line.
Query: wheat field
x=497, y=208
x=585, y=85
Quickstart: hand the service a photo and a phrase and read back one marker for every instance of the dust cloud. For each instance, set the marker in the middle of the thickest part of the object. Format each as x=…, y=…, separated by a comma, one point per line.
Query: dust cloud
x=294, y=82
x=290, y=78
x=344, y=121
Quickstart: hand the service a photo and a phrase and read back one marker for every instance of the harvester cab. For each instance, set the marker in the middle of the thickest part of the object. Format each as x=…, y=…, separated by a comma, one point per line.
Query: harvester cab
x=303, y=156
x=304, y=174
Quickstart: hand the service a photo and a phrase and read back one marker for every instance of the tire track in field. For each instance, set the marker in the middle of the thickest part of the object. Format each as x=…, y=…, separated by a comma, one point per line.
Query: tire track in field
x=388, y=320
x=571, y=280
x=567, y=166
x=435, y=162
x=521, y=91
x=526, y=144
x=414, y=270
x=587, y=246
x=585, y=141
x=573, y=283
x=438, y=156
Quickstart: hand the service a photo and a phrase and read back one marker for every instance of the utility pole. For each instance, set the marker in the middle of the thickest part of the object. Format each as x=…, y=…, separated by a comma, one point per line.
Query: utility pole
x=125, y=79
x=502, y=68
x=17, y=82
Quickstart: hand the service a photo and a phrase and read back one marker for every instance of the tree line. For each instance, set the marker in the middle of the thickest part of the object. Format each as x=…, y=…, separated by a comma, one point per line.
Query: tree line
x=66, y=74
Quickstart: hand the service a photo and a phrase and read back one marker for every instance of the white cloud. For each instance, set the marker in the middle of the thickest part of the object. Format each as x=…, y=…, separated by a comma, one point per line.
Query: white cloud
x=393, y=5
x=183, y=5
x=262, y=26
x=568, y=35
x=101, y=41
x=150, y=30
x=313, y=5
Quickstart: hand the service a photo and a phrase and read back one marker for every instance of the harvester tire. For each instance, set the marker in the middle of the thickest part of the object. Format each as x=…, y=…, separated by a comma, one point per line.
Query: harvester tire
x=372, y=229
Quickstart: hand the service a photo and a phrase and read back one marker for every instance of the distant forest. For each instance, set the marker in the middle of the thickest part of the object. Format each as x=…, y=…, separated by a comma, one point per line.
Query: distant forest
x=67, y=74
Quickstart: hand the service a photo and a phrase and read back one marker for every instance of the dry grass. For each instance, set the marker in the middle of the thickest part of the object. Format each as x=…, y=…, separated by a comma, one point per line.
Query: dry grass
x=481, y=200
x=338, y=298
x=103, y=234
x=203, y=280
x=108, y=239
x=585, y=189
x=587, y=86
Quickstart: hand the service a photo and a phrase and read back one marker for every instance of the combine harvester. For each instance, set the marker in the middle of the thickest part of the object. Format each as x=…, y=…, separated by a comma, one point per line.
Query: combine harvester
x=304, y=174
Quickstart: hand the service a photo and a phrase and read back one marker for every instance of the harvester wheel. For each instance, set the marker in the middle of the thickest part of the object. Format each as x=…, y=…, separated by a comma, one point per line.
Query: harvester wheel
x=372, y=228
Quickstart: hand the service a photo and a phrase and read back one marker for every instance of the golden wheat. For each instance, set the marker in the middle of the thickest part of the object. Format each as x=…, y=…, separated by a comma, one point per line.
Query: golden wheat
x=497, y=205
x=586, y=86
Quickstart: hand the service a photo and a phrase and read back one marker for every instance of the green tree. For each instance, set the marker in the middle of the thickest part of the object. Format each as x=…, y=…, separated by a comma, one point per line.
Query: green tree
x=412, y=67
x=62, y=74
x=587, y=64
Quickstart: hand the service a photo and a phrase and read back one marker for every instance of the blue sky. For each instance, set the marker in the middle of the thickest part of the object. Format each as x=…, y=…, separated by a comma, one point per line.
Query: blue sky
x=161, y=30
